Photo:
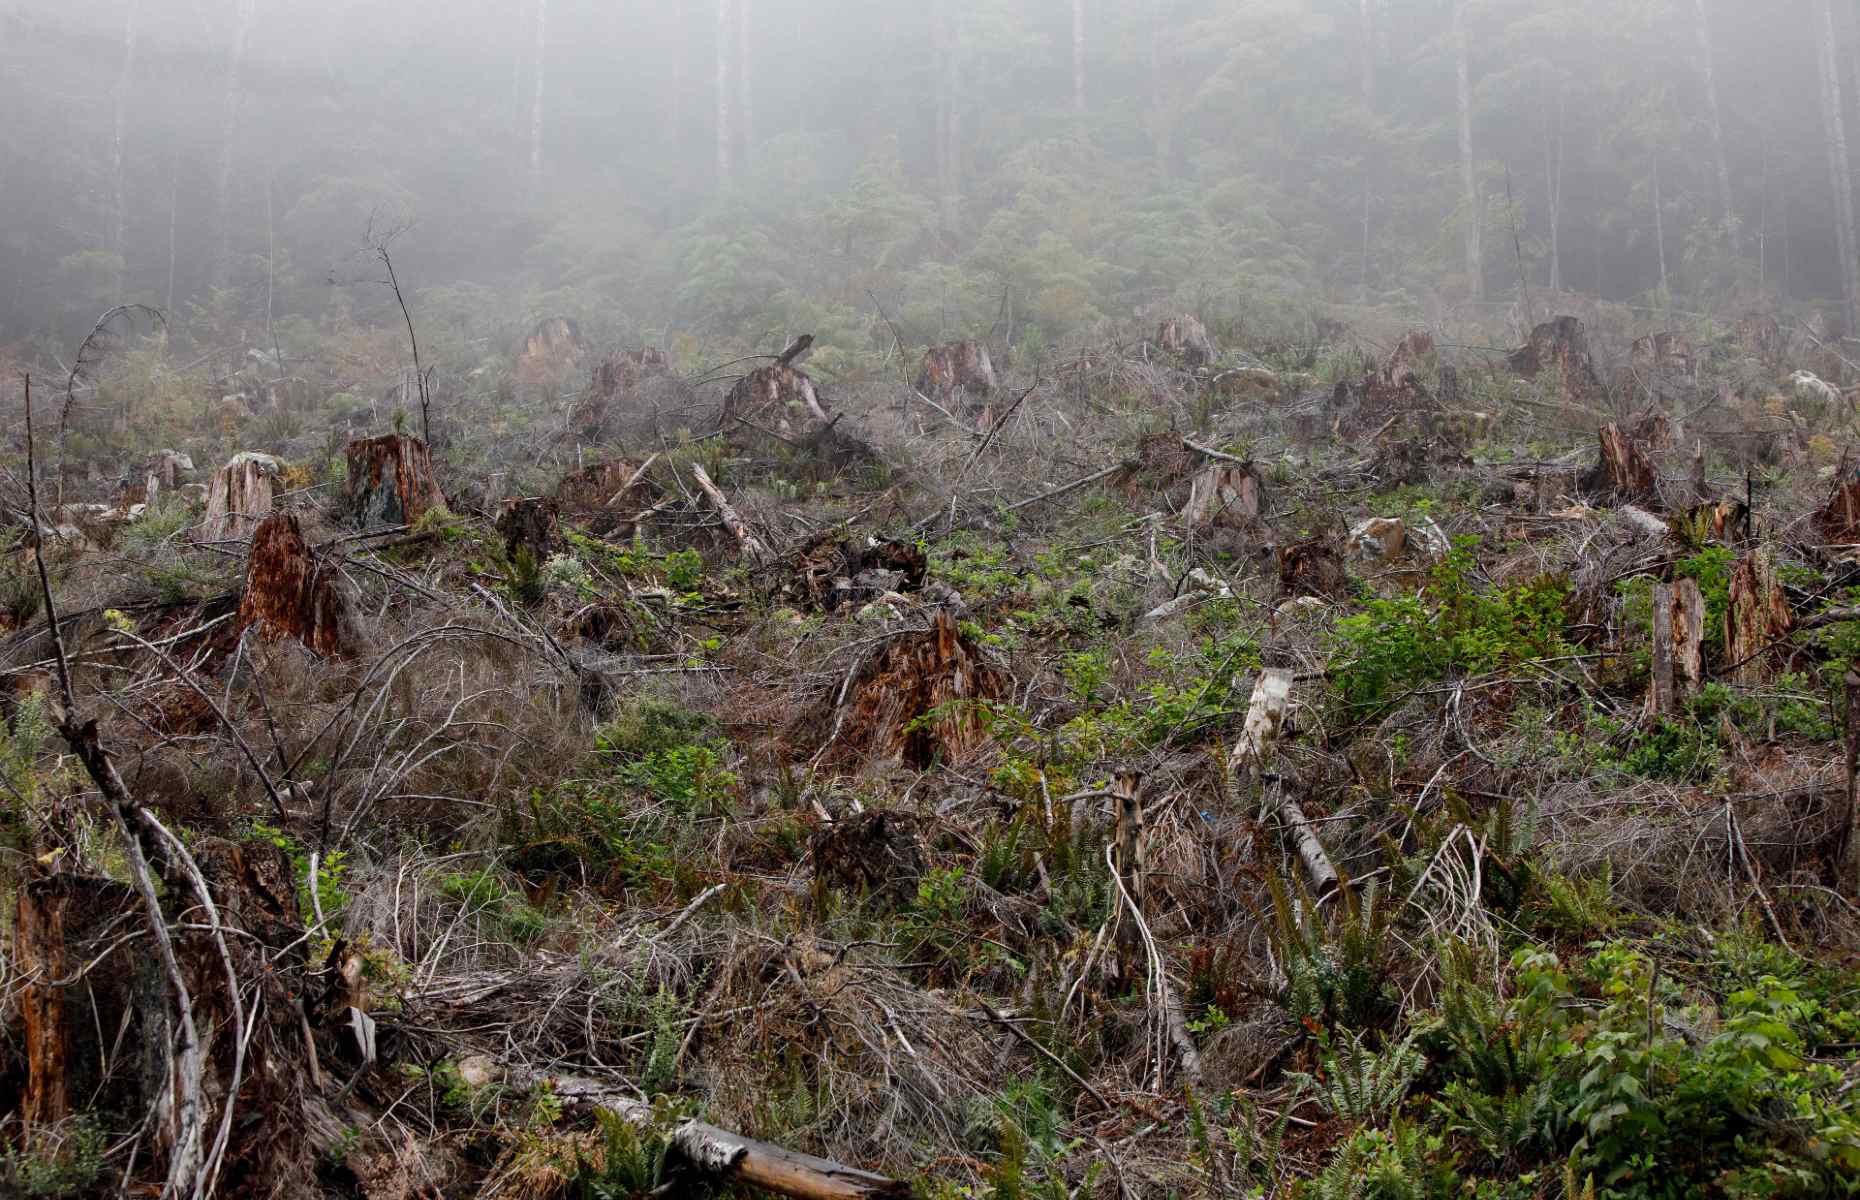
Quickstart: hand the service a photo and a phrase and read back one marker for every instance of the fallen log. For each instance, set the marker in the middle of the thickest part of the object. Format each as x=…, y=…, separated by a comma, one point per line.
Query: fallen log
x=718, y=1152
x=739, y=528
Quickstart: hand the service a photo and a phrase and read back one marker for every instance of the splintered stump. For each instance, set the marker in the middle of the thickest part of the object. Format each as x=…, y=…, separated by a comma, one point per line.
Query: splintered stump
x=1186, y=338
x=1625, y=471
x=956, y=367
x=1756, y=618
x=1560, y=347
x=607, y=498
x=1313, y=568
x=613, y=384
x=1838, y=521
x=391, y=481
x=778, y=398
x=290, y=593
x=238, y=497
x=1661, y=364
x=915, y=702
x=552, y=352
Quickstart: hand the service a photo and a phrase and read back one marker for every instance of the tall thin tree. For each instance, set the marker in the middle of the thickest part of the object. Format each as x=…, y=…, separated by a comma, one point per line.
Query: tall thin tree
x=1474, y=217
x=537, y=94
x=229, y=135
x=726, y=10
x=1078, y=57
x=125, y=78
x=1834, y=127
x=1708, y=66
x=745, y=79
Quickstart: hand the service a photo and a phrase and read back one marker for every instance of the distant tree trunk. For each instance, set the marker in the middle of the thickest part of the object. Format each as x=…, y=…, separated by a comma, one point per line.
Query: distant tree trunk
x=949, y=116
x=675, y=131
x=1834, y=126
x=745, y=81
x=1659, y=230
x=1553, y=175
x=1078, y=57
x=536, y=99
x=1709, y=67
x=726, y=9
x=1369, y=106
x=1469, y=188
x=119, y=231
x=229, y=134
x=174, y=195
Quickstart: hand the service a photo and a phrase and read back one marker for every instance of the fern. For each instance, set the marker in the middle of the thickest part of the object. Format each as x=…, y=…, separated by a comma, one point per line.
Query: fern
x=1362, y=1086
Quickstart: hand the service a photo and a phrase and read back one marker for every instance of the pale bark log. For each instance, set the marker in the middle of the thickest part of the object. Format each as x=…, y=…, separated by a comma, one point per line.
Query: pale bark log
x=732, y=520
x=1259, y=737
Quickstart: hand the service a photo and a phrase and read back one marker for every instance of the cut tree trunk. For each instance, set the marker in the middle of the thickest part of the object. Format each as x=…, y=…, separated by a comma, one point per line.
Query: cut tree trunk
x=606, y=498
x=1678, y=632
x=779, y=398
x=39, y=958
x=238, y=497
x=290, y=592
x=1756, y=617
x=1224, y=493
x=552, y=354
x=391, y=481
x=1838, y=521
x=532, y=524
x=613, y=384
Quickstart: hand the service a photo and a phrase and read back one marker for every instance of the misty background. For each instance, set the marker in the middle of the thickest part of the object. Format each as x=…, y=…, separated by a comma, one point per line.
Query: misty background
x=741, y=169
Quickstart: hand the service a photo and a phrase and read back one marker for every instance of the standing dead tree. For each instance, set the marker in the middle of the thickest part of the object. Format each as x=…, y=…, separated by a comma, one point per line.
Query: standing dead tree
x=90, y=353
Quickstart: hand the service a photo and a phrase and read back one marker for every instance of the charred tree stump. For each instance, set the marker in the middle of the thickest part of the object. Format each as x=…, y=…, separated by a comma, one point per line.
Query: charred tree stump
x=391, y=481
x=239, y=497
x=290, y=593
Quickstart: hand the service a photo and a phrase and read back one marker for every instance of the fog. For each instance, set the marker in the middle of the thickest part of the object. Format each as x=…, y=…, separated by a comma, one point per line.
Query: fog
x=738, y=170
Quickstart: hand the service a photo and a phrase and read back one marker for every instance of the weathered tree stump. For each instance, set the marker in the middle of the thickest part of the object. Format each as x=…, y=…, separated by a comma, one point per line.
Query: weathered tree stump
x=1624, y=472
x=238, y=497
x=1186, y=339
x=956, y=367
x=1761, y=337
x=606, y=497
x=1677, y=661
x=615, y=381
x=1838, y=521
x=290, y=592
x=1224, y=493
x=1561, y=346
x=552, y=353
x=777, y=398
x=829, y=571
x=1661, y=365
x=391, y=481
x=530, y=523
x=1313, y=568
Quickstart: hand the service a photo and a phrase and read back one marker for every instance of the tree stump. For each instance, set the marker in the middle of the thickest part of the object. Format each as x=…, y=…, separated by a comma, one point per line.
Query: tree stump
x=877, y=853
x=1224, y=493
x=290, y=593
x=1678, y=632
x=777, y=398
x=956, y=367
x=1838, y=521
x=1560, y=345
x=1624, y=472
x=614, y=382
x=915, y=701
x=1186, y=339
x=552, y=353
x=530, y=523
x=1313, y=568
x=239, y=497
x=391, y=481
x=1756, y=618
x=606, y=498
